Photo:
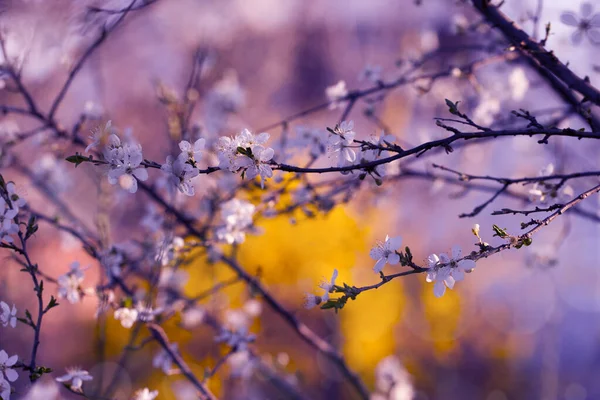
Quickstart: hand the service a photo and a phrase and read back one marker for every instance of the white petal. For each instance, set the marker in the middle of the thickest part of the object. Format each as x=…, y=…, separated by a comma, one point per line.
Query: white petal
x=379, y=265
x=466, y=265
x=439, y=289
x=568, y=18
x=376, y=253
x=11, y=375
x=456, y=252
x=395, y=243
x=458, y=275
x=393, y=259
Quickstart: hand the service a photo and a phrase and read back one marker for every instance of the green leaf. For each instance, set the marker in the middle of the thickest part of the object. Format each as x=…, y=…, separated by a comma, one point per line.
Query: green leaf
x=452, y=107
x=77, y=159
x=499, y=231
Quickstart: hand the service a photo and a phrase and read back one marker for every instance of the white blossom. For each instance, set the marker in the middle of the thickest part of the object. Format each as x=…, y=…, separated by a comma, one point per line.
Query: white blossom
x=127, y=316
x=125, y=167
x=392, y=379
x=246, y=152
x=8, y=316
x=145, y=394
x=328, y=286
x=237, y=217
x=191, y=152
x=257, y=165
x=339, y=144
x=519, y=84
x=6, y=364
x=586, y=23
x=99, y=135
x=69, y=284
x=5, y=389
x=181, y=174
x=76, y=376
x=15, y=199
x=311, y=300
x=237, y=340
x=163, y=360
x=385, y=253
x=7, y=224
x=445, y=271
x=336, y=93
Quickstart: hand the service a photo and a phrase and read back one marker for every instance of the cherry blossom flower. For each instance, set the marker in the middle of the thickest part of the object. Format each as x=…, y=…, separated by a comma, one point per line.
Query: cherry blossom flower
x=258, y=164
x=328, y=286
x=445, y=271
x=5, y=389
x=6, y=363
x=15, y=199
x=237, y=216
x=69, y=284
x=191, y=152
x=127, y=316
x=180, y=175
x=392, y=380
x=585, y=24
x=246, y=152
x=440, y=275
x=8, y=316
x=163, y=360
x=99, y=135
x=125, y=167
x=335, y=94
x=145, y=394
x=385, y=253
x=237, y=339
x=311, y=300
x=339, y=144
x=519, y=84
x=76, y=376
x=7, y=224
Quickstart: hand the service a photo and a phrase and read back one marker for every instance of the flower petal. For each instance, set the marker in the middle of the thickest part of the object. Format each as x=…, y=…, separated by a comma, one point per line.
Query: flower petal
x=569, y=18
x=393, y=259
x=379, y=265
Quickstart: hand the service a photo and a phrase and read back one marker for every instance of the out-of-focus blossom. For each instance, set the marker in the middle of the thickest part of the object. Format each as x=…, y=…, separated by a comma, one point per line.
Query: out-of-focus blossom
x=43, y=390
x=127, y=316
x=585, y=24
x=8, y=316
x=487, y=109
x=52, y=172
x=6, y=364
x=519, y=84
x=392, y=380
x=336, y=93
x=76, y=376
x=162, y=360
x=237, y=217
x=145, y=394
x=69, y=284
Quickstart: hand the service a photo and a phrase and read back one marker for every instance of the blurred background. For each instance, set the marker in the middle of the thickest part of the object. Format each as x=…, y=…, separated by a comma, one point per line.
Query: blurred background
x=523, y=325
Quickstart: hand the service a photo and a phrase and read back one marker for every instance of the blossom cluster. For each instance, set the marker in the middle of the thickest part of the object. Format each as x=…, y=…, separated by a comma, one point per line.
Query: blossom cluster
x=9, y=209
x=246, y=152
